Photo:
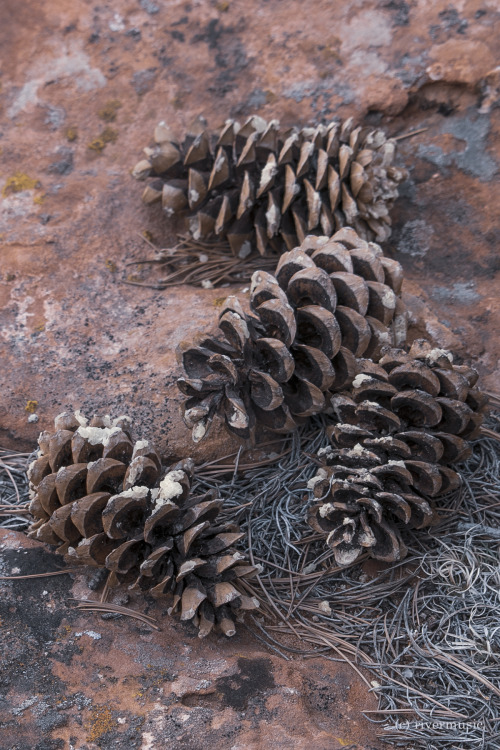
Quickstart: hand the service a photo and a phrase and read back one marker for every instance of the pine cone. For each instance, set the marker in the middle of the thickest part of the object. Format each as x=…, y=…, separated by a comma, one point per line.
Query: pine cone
x=330, y=301
x=261, y=187
x=97, y=496
x=90, y=461
x=402, y=424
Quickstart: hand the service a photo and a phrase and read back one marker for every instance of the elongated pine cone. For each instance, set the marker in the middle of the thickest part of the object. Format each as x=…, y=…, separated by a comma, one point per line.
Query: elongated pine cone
x=258, y=186
x=329, y=302
x=401, y=425
x=99, y=498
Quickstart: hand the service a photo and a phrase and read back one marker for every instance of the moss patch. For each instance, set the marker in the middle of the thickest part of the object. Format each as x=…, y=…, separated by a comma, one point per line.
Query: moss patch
x=148, y=236
x=101, y=721
x=108, y=135
x=71, y=133
x=110, y=110
x=18, y=182
x=219, y=301
x=31, y=407
x=178, y=101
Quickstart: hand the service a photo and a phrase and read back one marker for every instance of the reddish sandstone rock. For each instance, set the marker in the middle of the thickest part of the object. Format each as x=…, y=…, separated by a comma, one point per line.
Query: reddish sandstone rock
x=82, y=87
x=93, y=343
x=93, y=683
x=82, y=91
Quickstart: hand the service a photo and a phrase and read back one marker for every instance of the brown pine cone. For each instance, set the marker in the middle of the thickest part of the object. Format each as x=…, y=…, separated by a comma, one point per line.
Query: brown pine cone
x=261, y=187
x=330, y=301
x=97, y=496
x=401, y=425
x=84, y=460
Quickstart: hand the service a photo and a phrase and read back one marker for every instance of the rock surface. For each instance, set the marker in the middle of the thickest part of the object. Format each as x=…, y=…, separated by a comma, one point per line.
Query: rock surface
x=71, y=679
x=82, y=90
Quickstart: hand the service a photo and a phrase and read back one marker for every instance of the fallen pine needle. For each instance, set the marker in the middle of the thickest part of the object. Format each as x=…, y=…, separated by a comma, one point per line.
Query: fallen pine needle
x=92, y=606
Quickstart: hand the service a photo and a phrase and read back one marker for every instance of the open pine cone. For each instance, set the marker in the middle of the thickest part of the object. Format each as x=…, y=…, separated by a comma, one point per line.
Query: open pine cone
x=330, y=301
x=99, y=498
x=401, y=425
x=258, y=186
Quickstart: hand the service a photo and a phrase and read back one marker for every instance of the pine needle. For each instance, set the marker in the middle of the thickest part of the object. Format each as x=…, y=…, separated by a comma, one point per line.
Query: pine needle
x=199, y=264
x=90, y=606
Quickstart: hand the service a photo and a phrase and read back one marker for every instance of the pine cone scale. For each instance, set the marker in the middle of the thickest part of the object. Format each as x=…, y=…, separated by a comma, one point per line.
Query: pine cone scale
x=86, y=513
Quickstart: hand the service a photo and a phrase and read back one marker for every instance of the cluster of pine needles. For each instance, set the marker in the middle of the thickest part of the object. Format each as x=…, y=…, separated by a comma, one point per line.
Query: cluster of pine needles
x=423, y=634
x=198, y=263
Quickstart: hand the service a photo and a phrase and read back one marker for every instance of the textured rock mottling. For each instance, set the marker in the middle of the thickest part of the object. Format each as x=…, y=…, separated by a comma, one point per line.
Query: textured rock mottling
x=82, y=86
x=76, y=679
x=82, y=89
